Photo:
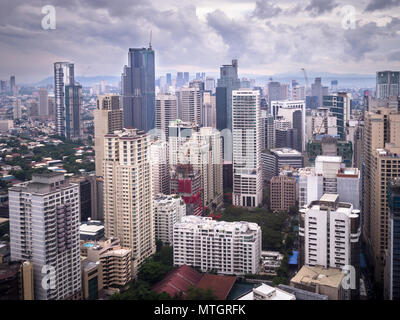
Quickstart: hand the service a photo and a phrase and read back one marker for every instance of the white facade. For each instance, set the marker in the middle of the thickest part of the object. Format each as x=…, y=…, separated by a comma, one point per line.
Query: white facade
x=246, y=131
x=226, y=247
x=166, y=111
x=329, y=232
x=328, y=176
x=190, y=103
x=44, y=228
x=266, y=292
x=168, y=210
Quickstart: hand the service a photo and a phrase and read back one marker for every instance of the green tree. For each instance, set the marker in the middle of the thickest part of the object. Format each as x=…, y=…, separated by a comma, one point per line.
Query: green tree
x=195, y=293
x=153, y=271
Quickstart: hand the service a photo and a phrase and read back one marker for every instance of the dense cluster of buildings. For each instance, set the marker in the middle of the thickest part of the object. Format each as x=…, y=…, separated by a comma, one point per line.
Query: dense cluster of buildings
x=166, y=150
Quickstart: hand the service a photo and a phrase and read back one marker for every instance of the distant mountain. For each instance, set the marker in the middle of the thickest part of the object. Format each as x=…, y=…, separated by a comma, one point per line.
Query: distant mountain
x=85, y=81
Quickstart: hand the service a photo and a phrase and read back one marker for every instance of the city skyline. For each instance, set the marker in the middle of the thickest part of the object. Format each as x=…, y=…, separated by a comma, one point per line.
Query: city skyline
x=266, y=37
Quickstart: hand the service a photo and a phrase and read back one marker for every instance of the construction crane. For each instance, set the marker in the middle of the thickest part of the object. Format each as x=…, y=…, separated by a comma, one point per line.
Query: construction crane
x=306, y=80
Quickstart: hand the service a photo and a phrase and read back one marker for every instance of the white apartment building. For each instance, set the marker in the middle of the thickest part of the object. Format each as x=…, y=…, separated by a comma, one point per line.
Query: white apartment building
x=44, y=229
x=226, y=247
x=166, y=111
x=329, y=176
x=331, y=231
x=190, y=104
x=246, y=131
x=168, y=210
x=128, y=193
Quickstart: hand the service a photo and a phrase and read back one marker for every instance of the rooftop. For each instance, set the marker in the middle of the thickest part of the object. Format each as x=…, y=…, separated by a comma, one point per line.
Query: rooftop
x=265, y=292
x=331, y=277
x=219, y=284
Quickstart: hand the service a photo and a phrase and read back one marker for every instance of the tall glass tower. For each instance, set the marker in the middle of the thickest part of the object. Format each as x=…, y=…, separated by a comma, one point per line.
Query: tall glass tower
x=227, y=82
x=138, y=89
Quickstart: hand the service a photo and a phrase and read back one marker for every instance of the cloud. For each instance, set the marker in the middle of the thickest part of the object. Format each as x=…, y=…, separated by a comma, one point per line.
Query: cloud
x=264, y=10
x=382, y=5
x=318, y=7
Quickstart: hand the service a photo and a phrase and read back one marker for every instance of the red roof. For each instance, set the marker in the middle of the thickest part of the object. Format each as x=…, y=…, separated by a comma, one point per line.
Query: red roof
x=220, y=285
x=178, y=280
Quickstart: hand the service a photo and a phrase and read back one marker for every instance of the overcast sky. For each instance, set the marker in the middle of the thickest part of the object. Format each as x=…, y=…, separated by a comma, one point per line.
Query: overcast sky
x=267, y=37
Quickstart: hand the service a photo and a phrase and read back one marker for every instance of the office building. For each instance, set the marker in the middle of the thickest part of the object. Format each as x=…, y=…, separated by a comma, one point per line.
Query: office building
x=246, y=131
x=329, y=176
x=227, y=82
x=16, y=280
x=282, y=193
x=92, y=279
x=138, y=89
x=88, y=195
x=166, y=111
x=17, y=110
x=279, y=158
x=190, y=104
x=337, y=105
x=168, y=210
x=43, y=102
x=267, y=131
x=209, y=110
x=128, y=193
x=387, y=84
x=225, y=247
x=107, y=119
x=392, y=270
x=381, y=163
x=47, y=233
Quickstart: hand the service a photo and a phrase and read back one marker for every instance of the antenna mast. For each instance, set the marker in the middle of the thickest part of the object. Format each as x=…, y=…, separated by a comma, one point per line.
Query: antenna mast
x=150, y=41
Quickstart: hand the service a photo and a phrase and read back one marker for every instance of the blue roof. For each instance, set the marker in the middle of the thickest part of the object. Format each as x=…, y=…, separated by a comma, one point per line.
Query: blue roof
x=293, y=258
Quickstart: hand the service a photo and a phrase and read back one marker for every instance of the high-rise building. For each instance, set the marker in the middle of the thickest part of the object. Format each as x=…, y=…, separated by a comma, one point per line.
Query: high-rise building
x=166, y=111
x=267, y=131
x=128, y=193
x=168, y=79
x=274, y=92
x=160, y=166
x=68, y=101
x=392, y=270
x=298, y=93
x=138, y=89
x=168, y=210
x=227, y=82
x=381, y=163
x=43, y=102
x=107, y=119
x=209, y=110
x=329, y=176
x=44, y=228
x=210, y=84
x=295, y=113
x=179, y=83
x=275, y=159
x=387, y=84
x=190, y=104
x=329, y=233
x=225, y=247
x=246, y=131
x=12, y=84
x=282, y=193
x=17, y=111
x=337, y=108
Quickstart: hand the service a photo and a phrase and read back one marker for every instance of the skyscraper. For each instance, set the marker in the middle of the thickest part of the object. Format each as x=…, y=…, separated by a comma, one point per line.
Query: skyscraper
x=387, y=84
x=68, y=101
x=138, y=89
x=166, y=111
x=128, y=193
x=43, y=102
x=190, y=104
x=107, y=119
x=246, y=131
x=227, y=82
x=44, y=224
x=382, y=162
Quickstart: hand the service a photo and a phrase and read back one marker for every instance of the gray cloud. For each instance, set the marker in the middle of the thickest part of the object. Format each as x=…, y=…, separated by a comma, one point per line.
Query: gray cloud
x=318, y=7
x=382, y=4
x=265, y=9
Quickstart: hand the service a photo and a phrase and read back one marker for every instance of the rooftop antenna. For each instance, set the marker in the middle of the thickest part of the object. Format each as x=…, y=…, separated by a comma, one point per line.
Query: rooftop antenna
x=150, y=41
